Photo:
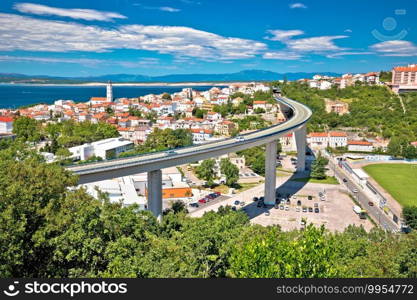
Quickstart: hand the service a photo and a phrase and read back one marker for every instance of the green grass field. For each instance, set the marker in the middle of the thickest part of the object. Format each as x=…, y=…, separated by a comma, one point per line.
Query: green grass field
x=400, y=180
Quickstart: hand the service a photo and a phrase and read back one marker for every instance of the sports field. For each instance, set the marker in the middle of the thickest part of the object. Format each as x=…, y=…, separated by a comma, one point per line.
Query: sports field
x=400, y=180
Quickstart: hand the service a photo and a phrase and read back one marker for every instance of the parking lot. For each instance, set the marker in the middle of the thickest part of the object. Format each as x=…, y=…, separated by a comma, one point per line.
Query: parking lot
x=335, y=212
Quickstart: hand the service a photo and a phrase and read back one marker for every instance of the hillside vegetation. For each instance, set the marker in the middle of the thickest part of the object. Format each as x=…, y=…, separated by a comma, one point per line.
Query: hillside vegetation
x=50, y=230
x=373, y=108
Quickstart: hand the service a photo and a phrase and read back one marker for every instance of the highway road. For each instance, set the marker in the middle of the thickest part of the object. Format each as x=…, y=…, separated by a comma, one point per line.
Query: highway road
x=108, y=169
x=378, y=215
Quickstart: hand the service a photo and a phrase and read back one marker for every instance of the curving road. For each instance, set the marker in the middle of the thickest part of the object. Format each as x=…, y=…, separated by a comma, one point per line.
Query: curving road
x=155, y=161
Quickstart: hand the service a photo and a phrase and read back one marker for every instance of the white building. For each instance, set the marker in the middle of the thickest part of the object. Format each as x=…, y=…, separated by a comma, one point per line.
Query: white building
x=288, y=143
x=321, y=140
x=6, y=124
x=360, y=146
x=118, y=190
x=337, y=139
x=108, y=148
x=201, y=135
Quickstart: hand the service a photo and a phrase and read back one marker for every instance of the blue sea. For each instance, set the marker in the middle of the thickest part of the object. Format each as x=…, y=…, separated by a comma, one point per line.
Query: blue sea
x=14, y=96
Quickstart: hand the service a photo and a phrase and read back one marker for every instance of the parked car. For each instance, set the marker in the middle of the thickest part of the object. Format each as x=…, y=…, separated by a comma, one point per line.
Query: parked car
x=316, y=210
x=240, y=138
x=355, y=190
x=304, y=209
x=276, y=206
x=316, y=205
x=255, y=199
x=262, y=198
x=310, y=197
x=202, y=201
x=281, y=207
x=242, y=203
x=236, y=202
x=344, y=180
x=299, y=203
x=194, y=204
x=370, y=203
x=287, y=208
x=297, y=209
x=310, y=209
x=260, y=204
x=267, y=213
x=234, y=208
x=218, y=194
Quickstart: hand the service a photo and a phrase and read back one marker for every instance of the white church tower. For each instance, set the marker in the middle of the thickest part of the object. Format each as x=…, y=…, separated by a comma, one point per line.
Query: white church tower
x=109, y=92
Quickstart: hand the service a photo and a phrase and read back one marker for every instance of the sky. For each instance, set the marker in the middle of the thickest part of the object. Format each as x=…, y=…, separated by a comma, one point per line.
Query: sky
x=157, y=37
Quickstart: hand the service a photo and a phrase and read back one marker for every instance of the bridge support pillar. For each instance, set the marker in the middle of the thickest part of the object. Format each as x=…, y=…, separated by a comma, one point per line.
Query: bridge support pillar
x=301, y=140
x=270, y=172
x=155, y=193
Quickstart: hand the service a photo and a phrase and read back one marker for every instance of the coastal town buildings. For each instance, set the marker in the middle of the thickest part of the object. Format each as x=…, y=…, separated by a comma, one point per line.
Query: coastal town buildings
x=6, y=125
x=404, y=78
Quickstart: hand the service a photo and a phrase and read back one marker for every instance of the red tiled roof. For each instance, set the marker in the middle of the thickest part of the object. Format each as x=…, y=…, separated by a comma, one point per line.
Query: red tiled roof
x=6, y=119
x=318, y=134
x=359, y=143
x=406, y=69
x=98, y=99
x=338, y=134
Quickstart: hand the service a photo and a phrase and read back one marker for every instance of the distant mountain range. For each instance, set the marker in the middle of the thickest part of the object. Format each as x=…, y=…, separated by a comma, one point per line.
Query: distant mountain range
x=246, y=75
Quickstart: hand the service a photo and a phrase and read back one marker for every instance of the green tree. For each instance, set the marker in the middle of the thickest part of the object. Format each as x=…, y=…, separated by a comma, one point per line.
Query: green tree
x=27, y=129
x=318, y=167
x=199, y=113
x=410, y=216
x=166, y=96
x=230, y=171
x=277, y=255
x=206, y=171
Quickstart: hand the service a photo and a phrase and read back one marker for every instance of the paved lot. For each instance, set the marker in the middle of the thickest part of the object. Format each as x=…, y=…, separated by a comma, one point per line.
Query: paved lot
x=336, y=212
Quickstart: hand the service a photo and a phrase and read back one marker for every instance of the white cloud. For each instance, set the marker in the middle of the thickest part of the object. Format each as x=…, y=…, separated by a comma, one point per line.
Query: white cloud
x=282, y=55
x=169, y=9
x=74, y=13
x=91, y=62
x=297, y=5
x=315, y=44
x=395, y=48
x=283, y=35
x=338, y=54
x=83, y=61
x=161, y=8
x=318, y=44
x=31, y=34
x=348, y=30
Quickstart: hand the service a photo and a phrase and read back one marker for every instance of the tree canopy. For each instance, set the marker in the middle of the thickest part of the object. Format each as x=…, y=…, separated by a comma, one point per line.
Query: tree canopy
x=48, y=228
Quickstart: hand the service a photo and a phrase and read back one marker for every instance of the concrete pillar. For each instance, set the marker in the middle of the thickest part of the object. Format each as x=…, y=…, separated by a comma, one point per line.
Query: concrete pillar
x=155, y=193
x=301, y=140
x=270, y=172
